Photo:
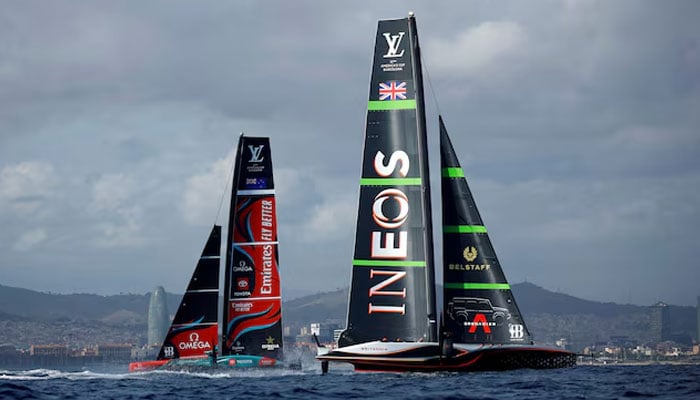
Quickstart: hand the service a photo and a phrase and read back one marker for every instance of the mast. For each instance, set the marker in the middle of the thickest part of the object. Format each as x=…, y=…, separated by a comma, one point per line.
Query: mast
x=229, y=243
x=424, y=165
x=392, y=288
x=478, y=303
x=252, y=316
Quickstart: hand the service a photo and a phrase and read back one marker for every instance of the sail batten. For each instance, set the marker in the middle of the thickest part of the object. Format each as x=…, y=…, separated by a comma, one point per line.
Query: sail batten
x=391, y=105
x=203, y=291
x=255, y=192
x=452, y=172
x=466, y=285
x=391, y=181
x=464, y=229
x=388, y=263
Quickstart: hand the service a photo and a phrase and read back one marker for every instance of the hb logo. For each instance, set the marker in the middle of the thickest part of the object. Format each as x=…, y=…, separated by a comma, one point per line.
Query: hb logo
x=516, y=331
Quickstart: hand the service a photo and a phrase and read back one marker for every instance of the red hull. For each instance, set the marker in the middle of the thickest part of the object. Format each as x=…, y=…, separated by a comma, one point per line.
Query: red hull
x=139, y=366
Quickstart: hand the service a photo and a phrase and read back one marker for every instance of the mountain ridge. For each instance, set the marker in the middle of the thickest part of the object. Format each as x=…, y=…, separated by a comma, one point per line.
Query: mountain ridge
x=31, y=317
x=29, y=303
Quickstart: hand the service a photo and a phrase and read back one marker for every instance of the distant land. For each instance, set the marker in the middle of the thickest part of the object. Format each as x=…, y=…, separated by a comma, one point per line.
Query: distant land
x=29, y=317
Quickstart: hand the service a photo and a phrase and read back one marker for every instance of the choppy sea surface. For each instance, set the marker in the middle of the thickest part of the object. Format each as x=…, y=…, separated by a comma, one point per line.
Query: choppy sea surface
x=581, y=382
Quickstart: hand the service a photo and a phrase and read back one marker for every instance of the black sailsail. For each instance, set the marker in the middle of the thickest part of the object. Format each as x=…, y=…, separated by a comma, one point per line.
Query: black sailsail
x=252, y=315
x=194, y=330
x=392, y=289
x=478, y=304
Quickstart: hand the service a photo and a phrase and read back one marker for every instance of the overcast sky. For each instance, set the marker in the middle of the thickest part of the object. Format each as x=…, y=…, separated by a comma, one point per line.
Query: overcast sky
x=577, y=124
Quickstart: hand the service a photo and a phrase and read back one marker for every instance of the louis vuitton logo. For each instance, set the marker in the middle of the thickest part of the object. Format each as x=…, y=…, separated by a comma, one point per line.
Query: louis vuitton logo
x=393, y=41
x=255, y=153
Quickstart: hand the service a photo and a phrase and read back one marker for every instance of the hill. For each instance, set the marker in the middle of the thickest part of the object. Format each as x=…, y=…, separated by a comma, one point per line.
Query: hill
x=33, y=317
x=330, y=306
x=534, y=299
x=82, y=307
x=549, y=316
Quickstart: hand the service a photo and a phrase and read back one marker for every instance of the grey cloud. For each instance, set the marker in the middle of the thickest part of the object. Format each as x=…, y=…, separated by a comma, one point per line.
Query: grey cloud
x=580, y=141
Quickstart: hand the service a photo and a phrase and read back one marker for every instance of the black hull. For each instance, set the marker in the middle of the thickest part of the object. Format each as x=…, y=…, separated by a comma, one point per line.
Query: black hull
x=429, y=359
x=493, y=360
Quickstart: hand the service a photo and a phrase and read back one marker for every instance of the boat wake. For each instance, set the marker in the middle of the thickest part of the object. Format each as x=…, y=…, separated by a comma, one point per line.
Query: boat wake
x=48, y=374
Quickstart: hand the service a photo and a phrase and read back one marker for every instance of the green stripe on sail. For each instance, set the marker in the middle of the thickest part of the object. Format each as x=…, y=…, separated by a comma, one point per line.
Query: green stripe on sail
x=464, y=229
x=452, y=172
x=390, y=182
x=495, y=286
x=387, y=263
x=374, y=105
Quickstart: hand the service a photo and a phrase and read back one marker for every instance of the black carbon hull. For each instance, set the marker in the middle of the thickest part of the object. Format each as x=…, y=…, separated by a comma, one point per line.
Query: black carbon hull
x=427, y=358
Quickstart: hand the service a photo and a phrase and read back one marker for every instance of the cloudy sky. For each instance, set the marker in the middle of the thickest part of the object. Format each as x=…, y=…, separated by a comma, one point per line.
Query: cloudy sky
x=577, y=124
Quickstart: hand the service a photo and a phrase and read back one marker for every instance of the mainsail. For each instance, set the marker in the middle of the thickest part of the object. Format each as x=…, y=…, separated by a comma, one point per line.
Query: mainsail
x=252, y=314
x=478, y=304
x=392, y=291
x=194, y=329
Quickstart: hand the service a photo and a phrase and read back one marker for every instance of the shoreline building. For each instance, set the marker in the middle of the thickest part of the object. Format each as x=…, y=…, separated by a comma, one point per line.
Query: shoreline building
x=660, y=322
x=158, y=317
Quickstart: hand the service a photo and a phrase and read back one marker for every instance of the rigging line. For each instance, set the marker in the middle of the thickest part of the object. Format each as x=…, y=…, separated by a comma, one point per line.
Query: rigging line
x=430, y=83
x=229, y=179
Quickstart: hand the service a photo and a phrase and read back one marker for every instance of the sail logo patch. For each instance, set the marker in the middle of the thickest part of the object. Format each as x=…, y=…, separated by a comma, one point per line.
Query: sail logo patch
x=237, y=348
x=382, y=242
x=270, y=344
x=255, y=183
x=393, y=42
x=392, y=90
x=480, y=321
x=266, y=272
x=266, y=220
x=389, y=250
x=242, y=267
x=194, y=343
x=378, y=290
x=377, y=211
x=469, y=267
x=243, y=286
x=255, y=153
x=242, y=307
x=517, y=331
x=470, y=253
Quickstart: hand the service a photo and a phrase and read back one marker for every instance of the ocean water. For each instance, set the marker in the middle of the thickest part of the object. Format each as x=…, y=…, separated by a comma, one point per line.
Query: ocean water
x=582, y=382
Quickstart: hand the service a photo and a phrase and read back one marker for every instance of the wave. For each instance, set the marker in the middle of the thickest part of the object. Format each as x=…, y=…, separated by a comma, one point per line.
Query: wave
x=47, y=374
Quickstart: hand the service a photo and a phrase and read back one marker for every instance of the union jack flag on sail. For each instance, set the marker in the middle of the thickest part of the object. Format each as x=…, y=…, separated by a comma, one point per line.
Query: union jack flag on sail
x=392, y=90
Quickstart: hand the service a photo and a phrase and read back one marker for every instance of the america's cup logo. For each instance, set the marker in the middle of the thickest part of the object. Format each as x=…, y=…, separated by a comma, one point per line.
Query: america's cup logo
x=393, y=41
